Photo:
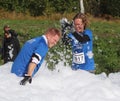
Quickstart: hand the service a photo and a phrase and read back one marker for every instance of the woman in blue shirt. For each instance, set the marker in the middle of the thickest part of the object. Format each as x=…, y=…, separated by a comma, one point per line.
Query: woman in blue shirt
x=81, y=41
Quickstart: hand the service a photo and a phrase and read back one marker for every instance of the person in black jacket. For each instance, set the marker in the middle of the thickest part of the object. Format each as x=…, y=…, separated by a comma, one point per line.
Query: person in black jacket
x=10, y=45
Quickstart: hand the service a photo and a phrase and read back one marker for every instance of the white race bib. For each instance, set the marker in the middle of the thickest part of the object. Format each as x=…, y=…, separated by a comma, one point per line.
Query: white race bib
x=79, y=58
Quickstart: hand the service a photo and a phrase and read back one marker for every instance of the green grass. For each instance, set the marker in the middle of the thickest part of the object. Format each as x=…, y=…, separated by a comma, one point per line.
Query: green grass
x=105, y=27
x=27, y=26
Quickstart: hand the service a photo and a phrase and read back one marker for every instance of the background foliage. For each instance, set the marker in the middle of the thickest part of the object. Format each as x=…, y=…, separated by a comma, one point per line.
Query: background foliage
x=47, y=7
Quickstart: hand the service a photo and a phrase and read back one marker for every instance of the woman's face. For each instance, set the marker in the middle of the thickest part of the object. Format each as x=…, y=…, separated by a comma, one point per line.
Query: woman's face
x=78, y=25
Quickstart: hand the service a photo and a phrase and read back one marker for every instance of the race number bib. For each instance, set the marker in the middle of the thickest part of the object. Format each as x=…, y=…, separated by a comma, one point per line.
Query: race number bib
x=79, y=58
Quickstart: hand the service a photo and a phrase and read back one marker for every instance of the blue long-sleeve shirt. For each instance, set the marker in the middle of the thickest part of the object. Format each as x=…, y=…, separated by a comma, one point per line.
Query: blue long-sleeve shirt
x=34, y=46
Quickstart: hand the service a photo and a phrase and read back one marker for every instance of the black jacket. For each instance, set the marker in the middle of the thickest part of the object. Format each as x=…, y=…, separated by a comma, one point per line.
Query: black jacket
x=10, y=48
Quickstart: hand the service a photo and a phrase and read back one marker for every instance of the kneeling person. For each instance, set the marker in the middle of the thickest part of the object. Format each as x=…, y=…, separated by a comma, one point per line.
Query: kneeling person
x=33, y=53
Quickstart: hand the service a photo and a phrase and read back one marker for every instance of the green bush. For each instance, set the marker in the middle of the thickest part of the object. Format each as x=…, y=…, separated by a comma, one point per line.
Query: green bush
x=106, y=53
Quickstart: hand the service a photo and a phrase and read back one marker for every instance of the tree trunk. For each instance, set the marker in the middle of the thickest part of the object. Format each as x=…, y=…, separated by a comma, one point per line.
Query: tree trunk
x=82, y=7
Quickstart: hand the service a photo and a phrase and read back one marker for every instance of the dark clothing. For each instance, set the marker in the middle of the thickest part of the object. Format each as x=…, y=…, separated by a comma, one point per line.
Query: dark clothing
x=82, y=37
x=10, y=48
x=13, y=33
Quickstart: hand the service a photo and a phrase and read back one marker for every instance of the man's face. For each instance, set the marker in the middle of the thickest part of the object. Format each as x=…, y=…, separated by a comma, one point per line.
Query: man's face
x=7, y=29
x=52, y=40
x=79, y=26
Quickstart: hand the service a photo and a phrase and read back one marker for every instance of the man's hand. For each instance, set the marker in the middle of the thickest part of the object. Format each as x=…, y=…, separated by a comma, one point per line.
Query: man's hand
x=25, y=80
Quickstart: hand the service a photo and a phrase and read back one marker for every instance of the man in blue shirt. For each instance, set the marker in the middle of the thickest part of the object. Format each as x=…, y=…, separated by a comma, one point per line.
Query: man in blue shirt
x=33, y=53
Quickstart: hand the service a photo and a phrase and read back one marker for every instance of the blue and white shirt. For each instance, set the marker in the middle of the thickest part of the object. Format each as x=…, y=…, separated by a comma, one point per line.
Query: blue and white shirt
x=82, y=53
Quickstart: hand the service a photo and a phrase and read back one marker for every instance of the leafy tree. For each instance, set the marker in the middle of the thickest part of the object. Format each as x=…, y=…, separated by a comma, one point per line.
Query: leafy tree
x=49, y=9
x=14, y=5
x=63, y=6
x=110, y=7
x=92, y=7
x=36, y=7
x=40, y=7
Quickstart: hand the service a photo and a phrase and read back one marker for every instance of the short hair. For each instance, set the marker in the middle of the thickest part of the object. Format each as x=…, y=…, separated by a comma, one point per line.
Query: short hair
x=83, y=17
x=54, y=31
